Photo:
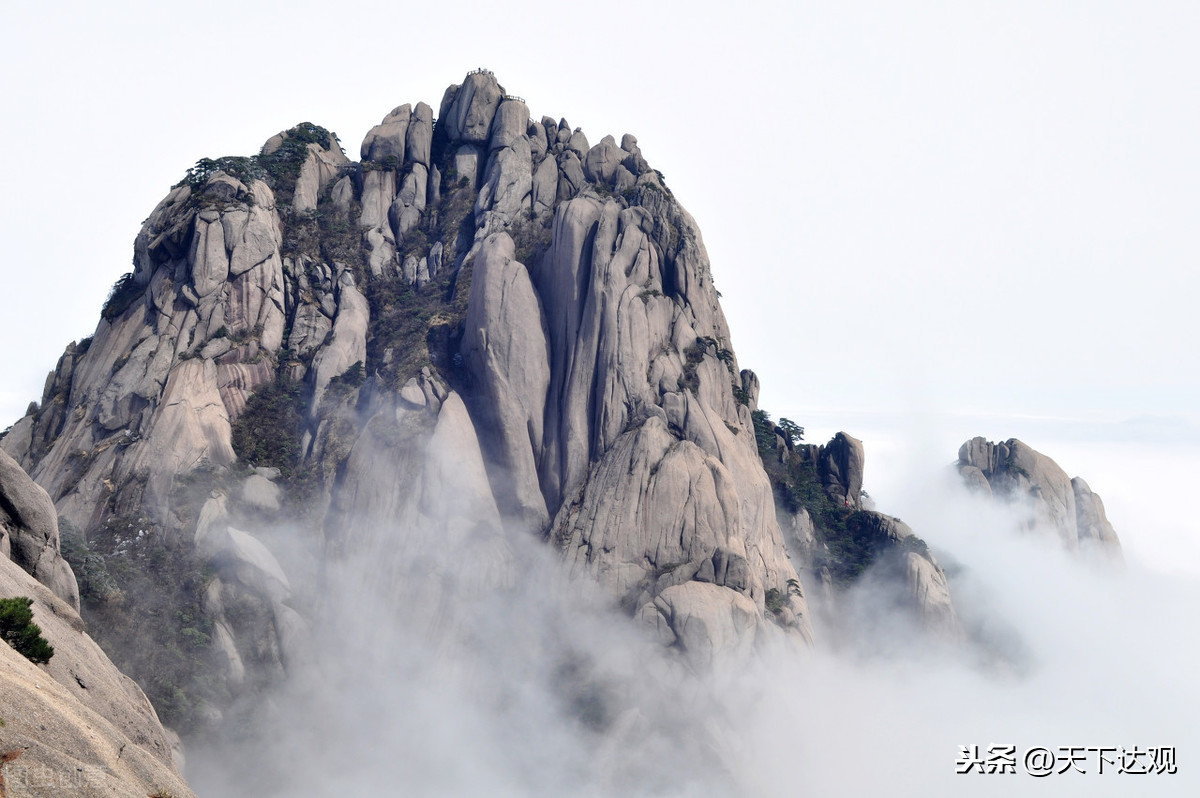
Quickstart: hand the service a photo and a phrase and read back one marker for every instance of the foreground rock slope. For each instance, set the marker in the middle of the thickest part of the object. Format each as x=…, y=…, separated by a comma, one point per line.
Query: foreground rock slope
x=76, y=725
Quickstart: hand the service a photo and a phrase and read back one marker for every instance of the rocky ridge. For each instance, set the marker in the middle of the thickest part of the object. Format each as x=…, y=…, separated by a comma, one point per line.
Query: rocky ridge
x=1014, y=471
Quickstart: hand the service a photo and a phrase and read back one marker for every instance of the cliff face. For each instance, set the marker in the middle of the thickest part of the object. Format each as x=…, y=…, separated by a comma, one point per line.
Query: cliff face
x=76, y=723
x=485, y=327
x=29, y=532
x=835, y=536
x=1012, y=470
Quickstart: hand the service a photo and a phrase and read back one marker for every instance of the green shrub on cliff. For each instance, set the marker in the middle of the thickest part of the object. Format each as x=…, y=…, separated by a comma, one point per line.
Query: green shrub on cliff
x=19, y=631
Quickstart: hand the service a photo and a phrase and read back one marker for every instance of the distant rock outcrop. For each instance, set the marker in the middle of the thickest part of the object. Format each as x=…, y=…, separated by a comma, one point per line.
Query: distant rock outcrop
x=1012, y=470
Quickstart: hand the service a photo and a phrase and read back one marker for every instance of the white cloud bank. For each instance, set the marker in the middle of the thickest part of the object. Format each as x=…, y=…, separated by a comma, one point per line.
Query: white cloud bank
x=538, y=690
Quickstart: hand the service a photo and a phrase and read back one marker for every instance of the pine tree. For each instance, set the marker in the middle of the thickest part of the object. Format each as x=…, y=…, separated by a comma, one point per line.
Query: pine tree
x=19, y=631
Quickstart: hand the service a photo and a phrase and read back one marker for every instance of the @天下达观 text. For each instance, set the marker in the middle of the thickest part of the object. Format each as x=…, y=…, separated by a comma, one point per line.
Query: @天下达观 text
x=1041, y=761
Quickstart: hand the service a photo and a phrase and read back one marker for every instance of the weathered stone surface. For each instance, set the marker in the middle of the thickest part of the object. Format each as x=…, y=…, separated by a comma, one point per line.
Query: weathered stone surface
x=616, y=373
x=1092, y=522
x=435, y=187
x=319, y=167
x=752, y=386
x=381, y=257
x=905, y=557
x=192, y=425
x=504, y=346
x=578, y=144
x=510, y=123
x=623, y=180
x=474, y=104
x=538, y=143
x=1014, y=471
x=601, y=162
x=420, y=135
x=418, y=507
x=708, y=621
x=974, y=479
x=601, y=376
x=309, y=328
x=405, y=212
x=841, y=468
x=210, y=263
x=466, y=164
x=261, y=493
x=634, y=162
x=544, y=187
x=247, y=557
x=349, y=343
x=929, y=591
x=78, y=716
x=435, y=259
x=236, y=381
x=388, y=139
x=506, y=189
x=379, y=189
x=342, y=194
x=248, y=573
x=570, y=175
x=29, y=531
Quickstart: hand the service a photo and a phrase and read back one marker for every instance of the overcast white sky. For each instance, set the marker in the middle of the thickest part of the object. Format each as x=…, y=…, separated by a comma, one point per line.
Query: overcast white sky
x=977, y=211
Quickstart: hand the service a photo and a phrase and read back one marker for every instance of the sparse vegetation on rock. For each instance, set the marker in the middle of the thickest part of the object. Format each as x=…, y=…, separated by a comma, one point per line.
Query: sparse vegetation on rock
x=123, y=293
x=18, y=630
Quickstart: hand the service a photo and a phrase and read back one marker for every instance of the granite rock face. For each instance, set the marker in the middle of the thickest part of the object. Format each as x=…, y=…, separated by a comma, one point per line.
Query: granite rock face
x=836, y=537
x=79, y=724
x=908, y=558
x=29, y=532
x=485, y=327
x=1066, y=507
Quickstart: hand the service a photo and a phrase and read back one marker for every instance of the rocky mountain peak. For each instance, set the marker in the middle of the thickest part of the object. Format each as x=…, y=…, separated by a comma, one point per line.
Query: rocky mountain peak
x=486, y=326
x=1013, y=470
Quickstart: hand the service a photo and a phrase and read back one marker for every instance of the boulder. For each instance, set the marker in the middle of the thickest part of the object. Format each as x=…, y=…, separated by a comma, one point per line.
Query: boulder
x=474, y=104
x=507, y=187
x=544, y=186
x=466, y=164
x=709, y=623
x=601, y=162
x=388, y=138
x=420, y=135
x=29, y=531
x=261, y=493
x=319, y=167
x=510, y=124
x=840, y=466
